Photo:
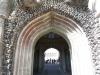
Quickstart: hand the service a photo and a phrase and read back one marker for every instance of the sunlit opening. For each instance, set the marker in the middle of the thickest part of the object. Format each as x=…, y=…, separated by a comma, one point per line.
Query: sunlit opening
x=52, y=55
x=38, y=0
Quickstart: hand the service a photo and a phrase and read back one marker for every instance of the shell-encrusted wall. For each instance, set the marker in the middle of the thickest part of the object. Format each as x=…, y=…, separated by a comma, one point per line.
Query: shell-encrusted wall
x=22, y=16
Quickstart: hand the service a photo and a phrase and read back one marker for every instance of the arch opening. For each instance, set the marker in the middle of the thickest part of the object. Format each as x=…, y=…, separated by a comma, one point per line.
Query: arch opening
x=52, y=56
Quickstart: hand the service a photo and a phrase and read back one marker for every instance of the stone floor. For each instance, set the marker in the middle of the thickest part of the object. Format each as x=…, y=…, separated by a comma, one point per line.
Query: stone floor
x=52, y=69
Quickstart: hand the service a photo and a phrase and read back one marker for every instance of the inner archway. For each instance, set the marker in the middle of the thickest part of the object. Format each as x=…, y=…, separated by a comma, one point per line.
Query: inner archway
x=52, y=56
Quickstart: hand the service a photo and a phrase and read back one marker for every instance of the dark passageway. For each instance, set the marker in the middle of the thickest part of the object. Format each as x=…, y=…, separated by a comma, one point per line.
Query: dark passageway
x=52, y=69
x=45, y=66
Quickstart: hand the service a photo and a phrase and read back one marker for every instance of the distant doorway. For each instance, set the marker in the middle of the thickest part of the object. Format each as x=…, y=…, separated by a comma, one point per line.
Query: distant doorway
x=52, y=56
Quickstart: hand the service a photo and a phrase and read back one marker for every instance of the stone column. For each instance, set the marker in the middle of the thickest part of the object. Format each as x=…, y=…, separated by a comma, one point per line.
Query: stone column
x=63, y=60
x=4, y=13
x=1, y=42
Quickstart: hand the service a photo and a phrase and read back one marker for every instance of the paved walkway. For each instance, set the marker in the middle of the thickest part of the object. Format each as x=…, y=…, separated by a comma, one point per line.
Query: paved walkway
x=52, y=69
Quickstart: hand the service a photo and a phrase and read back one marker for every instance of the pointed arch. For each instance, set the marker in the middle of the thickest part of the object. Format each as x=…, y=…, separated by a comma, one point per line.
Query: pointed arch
x=81, y=59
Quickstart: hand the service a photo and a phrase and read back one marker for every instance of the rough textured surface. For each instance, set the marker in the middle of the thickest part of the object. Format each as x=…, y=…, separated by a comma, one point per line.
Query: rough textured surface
x=20, y=17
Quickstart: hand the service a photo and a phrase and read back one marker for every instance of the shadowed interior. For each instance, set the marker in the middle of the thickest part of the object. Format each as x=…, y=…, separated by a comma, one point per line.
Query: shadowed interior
x=52, y=40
